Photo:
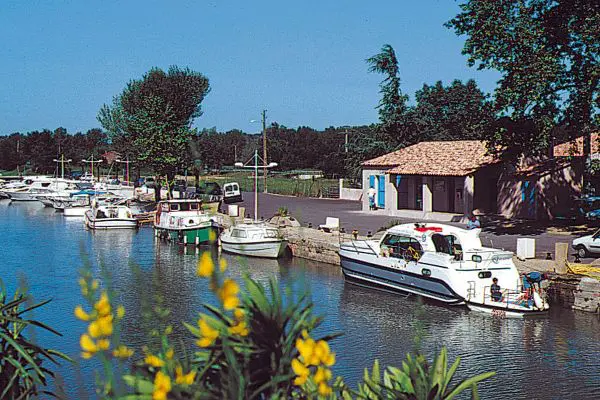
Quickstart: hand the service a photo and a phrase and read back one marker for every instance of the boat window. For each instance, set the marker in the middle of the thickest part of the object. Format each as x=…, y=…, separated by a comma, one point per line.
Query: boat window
x=193, y=206
x=45, y=184
x=271, y=233
x=402, y=247
x=184, y=207
x=447, y=244
x=238, y=233
x=174, y=207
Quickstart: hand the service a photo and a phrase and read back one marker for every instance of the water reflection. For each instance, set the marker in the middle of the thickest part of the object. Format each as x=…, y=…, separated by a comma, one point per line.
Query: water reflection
x=553, y=357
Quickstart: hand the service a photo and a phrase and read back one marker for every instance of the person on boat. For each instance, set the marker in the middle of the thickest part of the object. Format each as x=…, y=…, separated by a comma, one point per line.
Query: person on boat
x=371, y=193
x=496, y=291
x=529, y=281
x=473, y=222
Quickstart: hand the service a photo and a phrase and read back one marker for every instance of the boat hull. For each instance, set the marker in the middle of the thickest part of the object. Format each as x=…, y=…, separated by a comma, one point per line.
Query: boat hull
x=74, y=211
x=380, y=276
x=109, y=223
x=503, y=311
x=204, y=234
x=264, y=249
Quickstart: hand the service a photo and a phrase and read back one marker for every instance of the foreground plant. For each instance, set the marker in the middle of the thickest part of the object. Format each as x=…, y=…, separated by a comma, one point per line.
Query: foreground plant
x=23, y=364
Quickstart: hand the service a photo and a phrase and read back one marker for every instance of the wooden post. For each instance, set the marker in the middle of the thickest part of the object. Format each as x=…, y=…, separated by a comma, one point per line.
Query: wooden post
x=561, y=252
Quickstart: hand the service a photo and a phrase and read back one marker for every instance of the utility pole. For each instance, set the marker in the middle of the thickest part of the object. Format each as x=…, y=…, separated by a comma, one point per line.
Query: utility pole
x=264, y=124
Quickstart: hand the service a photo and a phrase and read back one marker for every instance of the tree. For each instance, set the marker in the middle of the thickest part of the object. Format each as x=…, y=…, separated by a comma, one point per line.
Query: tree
x=456, y=112
x=151, y=119
x=547, y=53
x=392, y=107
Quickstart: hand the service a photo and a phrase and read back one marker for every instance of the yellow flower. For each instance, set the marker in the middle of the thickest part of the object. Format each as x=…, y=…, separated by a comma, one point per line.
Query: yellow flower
x=324, y=389
x=94, y=329
x=162, y=386
x=82, y=315
x=103, y=344
x=322, y=375
x=322, y=351
x=184, y=379
x=154, y=361
x=106, y=325
x=306, y=349
x=86, y=356
x=206, y=266
x=239, y=313
x=300, y=380
x=209, y=334
x=169, y=354
x=222, y=264
x=95, y=284
x=228, y=294
x=330, y=360
x=239, y=329
x=122, y=352
x=120, y=312
x=87, y=344
x=299, y=368
x=103, y=305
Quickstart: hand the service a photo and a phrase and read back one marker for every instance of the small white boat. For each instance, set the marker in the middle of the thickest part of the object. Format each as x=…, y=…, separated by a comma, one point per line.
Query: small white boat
x=110, y=217
x=443, y=263
x=254, y=240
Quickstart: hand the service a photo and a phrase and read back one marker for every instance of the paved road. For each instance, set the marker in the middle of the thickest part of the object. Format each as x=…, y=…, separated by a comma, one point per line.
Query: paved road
x=314, y=211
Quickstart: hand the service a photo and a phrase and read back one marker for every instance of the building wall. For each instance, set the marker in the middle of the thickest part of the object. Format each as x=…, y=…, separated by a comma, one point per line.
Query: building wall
x=366, y=173
x=555, y=185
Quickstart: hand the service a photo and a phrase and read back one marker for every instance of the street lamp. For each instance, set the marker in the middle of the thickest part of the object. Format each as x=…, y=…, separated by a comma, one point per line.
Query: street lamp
x=62, y=162
x=92, y=162
x=255, y=158
x=264, y=157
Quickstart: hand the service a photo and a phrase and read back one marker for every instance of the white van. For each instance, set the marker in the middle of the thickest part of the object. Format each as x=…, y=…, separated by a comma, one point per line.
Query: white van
x=232, y=193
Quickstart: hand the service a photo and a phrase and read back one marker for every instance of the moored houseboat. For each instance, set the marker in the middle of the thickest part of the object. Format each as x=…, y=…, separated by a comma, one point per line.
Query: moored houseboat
x=186, y=221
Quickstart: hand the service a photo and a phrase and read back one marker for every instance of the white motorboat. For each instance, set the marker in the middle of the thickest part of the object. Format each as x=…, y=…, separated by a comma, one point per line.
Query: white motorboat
x=443, y=263
x=45, y=187
x=109, y=217
x=253, y=239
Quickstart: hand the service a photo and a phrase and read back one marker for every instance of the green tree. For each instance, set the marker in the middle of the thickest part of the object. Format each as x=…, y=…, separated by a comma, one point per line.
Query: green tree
x=151, y=119
x=547, y=53
x=392, y=107
x=456, y=112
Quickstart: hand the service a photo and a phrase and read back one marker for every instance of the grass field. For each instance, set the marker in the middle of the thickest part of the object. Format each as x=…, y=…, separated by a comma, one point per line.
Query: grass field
x=275, y=184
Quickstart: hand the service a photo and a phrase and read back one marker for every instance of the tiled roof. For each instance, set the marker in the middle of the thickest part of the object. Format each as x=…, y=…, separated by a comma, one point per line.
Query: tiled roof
x=453, y=158
x=575, y=147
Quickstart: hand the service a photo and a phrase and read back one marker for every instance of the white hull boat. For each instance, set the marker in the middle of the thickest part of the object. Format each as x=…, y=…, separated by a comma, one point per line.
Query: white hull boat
x=110, y=217
x=75, y=211
x=443, y=263
x=253, y=240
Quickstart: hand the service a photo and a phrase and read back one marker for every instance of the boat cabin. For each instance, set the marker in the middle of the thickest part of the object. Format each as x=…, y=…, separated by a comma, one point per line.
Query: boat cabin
x=181, y=205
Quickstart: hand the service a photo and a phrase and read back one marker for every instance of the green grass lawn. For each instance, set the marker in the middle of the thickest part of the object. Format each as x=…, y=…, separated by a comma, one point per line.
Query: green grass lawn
x=275, y=184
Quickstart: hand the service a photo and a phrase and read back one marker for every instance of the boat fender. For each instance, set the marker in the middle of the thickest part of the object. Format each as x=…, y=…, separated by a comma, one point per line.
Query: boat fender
x=537, y=300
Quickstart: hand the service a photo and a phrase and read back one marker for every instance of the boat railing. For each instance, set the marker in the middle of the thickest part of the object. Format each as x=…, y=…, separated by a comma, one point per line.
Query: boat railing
x=509, y=297
x=360, y=247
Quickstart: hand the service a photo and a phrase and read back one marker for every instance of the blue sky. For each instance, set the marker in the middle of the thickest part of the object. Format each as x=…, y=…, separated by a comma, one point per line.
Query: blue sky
x=303, y=61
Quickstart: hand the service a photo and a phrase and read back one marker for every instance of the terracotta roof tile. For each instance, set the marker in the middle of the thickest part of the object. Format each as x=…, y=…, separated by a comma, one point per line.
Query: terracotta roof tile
x=575, y=147
x=452, y=158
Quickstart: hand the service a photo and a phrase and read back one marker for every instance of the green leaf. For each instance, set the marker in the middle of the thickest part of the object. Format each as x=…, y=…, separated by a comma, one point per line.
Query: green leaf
x=23, y=352
x=140, y=385
x=467, y=383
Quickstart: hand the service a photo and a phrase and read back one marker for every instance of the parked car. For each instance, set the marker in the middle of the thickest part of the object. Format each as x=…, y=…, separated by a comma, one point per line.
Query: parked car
x=587, y=208
x=232, y=193
x=587, y=245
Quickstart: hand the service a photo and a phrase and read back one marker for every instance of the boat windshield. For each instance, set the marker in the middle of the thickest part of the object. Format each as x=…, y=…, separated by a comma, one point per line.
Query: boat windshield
x=447, y=244
x=399, y=246
x=271, y=233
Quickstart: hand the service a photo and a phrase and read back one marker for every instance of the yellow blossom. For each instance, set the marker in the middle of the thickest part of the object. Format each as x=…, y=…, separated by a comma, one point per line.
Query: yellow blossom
x=228, y=294
x=324, y=389
x=86, y=356
x=184, y=379
x=239, y=329
x=106, y=325
x=120, y=312
x=122, y=352
x=94, y=329
x=82, y=315
x=103, y=344
x=95, y=284
x=82, y=282
x=87, y=344
x=299, y=368
x=209, y=334
x=300, y=380
x=212, y=236
x=169, y=354
x=305, y=348
x=322, y=375
x=206, y=265
x=239, y=313
x=222, y=264
x=162, y=386
x=103, y=305
x=154, y=361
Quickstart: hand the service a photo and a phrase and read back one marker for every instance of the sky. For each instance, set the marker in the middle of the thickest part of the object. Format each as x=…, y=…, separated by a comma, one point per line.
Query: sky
x=302, y=61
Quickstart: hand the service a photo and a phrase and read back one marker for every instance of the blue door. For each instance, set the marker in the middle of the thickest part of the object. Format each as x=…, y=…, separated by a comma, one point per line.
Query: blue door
x=528, y=198
x=381, y=192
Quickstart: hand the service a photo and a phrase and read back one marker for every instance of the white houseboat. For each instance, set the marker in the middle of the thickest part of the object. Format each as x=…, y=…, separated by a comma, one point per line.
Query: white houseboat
x=444, y=263
x=186, y=221
x=109, y=217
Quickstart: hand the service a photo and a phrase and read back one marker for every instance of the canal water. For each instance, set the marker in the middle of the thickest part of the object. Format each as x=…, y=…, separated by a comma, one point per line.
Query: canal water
x=554, y=357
